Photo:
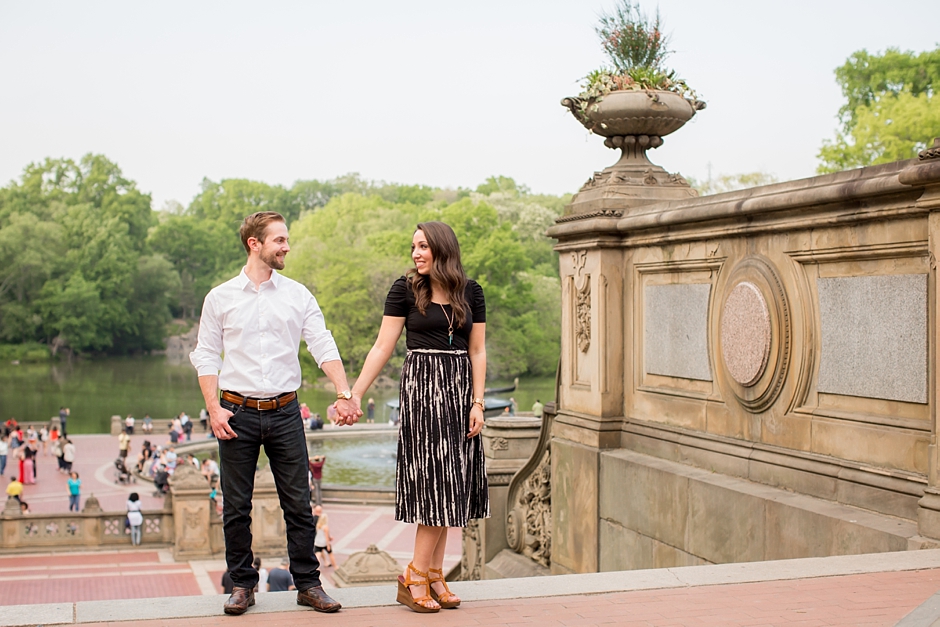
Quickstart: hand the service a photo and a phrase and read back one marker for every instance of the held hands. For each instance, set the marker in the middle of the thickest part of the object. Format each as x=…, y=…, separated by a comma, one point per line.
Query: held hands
x=218, y=420
x=347, y=412
x=476, y=420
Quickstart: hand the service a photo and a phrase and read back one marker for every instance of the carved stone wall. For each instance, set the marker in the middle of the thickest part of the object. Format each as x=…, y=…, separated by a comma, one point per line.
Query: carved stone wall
x=781, y=339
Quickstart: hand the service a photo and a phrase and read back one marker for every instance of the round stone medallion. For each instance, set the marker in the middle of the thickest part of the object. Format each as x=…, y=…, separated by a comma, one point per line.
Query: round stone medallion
x=745, y=333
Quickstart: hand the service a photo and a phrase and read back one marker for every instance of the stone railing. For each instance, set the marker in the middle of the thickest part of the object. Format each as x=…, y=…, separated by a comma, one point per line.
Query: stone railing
x=189, y=522
x=751, y=375
x=89, y=529
x=515, y=541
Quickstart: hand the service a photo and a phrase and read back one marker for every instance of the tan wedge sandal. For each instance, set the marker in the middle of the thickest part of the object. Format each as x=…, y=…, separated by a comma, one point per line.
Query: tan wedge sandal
x=446, y=599
x=425, y=604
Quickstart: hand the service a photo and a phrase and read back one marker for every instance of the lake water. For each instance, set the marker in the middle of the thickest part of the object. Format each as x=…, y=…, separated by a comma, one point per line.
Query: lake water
x=95, y=390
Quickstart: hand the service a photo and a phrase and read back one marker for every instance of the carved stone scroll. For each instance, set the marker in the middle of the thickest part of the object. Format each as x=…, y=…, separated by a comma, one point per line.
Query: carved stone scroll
x=529, y=522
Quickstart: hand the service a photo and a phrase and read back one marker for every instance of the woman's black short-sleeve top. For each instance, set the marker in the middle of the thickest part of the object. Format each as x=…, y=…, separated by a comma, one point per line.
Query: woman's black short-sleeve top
x=430, y=331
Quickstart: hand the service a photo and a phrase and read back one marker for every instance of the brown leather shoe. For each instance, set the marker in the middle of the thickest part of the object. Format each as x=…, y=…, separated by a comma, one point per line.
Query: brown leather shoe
x=317, y=599
x=240, y=601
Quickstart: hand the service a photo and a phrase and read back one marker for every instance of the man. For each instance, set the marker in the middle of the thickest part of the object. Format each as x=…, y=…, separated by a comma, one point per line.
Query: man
x=537, y=408
x=316, y=477
x=63, y=419
x=129, y=424
x=15, y=489
x=279, y=579
x=257, y=320
x=187, y=425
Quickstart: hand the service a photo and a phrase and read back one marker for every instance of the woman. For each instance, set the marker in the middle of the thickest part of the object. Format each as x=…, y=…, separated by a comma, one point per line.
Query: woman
x=134, y=518
x=75, y=490
x=323, y=542
x=29, y=466
x=4, y=451
x=440, y=479
x=44, y=441
x=68, y=455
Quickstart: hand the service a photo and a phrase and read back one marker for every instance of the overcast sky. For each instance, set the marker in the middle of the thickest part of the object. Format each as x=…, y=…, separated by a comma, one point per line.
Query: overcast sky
x=438, y=93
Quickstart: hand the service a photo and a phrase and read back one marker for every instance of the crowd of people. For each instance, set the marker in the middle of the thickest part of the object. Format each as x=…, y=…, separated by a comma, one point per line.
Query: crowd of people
x=20, y=449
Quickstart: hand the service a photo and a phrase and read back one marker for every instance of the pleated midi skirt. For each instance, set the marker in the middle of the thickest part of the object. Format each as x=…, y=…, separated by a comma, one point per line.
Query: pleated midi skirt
x=440, y=477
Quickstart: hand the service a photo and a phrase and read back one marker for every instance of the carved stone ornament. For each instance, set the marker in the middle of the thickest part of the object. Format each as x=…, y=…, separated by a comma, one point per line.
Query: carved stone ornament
x=582, y=283
x=367, y=568
x=471, y=562
x=12, y=507
x=529, y=522
x=91, y=505
x=602, y=213
x=583, y=321
x=186, y=477
x=754, y=333
x=930, y=153
x=500, y=444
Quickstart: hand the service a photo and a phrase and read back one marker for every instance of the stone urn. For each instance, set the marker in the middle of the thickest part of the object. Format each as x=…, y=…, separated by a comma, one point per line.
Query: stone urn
x=633, y=122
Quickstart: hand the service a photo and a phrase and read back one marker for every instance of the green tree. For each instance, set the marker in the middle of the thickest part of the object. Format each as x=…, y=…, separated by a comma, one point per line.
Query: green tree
x=74, y=274
x=191, y=246
x=890, y=111
x=503, y=184
x=156, y=284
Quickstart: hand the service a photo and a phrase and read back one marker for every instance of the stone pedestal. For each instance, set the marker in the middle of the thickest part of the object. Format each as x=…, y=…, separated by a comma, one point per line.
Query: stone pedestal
x=117, y=425
x=371, y=567
x=268, y=531
x=507, y=444
x=190, y=492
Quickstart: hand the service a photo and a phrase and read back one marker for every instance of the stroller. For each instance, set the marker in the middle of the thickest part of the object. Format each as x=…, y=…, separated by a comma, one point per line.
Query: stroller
x=122, y=474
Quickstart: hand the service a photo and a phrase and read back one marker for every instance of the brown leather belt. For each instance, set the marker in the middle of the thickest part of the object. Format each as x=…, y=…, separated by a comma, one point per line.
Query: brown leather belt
x=264, y=404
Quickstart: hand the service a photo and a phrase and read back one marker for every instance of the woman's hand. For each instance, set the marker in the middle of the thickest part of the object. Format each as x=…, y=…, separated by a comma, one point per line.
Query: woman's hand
x=476, y=420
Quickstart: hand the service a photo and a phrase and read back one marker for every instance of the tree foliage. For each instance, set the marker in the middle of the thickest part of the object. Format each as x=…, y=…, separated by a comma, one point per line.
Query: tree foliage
x=74, y=239
x=86, y=265
x=891, y=112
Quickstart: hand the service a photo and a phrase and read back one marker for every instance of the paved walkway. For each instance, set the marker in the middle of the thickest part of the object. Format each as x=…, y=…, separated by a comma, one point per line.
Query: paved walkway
x=94, y=463
x=856, y=591
x=874, y=600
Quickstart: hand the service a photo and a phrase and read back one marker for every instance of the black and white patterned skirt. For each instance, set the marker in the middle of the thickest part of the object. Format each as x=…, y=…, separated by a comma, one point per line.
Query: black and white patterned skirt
x=441, y=477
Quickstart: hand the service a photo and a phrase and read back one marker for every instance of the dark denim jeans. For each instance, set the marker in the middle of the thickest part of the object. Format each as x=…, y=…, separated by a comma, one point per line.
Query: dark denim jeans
x=281, y=432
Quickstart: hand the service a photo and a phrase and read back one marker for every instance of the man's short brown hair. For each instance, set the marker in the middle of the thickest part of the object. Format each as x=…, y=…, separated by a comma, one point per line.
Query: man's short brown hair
x=256, y=225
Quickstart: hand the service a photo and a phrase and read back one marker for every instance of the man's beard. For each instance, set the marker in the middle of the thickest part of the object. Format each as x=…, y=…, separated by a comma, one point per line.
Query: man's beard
x=272, y=261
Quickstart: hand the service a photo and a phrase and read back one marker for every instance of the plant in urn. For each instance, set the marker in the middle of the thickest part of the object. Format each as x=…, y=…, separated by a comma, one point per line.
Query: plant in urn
x=633, y=103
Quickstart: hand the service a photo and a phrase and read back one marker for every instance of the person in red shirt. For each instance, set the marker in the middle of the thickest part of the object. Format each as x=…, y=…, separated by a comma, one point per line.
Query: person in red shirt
x=316, y=475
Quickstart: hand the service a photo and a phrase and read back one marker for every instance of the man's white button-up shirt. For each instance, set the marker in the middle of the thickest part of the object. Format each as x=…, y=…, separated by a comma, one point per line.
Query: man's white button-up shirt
x=259, y=331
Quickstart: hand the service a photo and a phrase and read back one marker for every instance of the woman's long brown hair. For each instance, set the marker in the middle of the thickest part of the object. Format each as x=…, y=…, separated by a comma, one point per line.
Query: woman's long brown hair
x=446, y=270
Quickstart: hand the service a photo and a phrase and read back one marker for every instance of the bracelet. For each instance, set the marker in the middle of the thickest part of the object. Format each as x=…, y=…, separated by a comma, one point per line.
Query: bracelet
x=480, y=402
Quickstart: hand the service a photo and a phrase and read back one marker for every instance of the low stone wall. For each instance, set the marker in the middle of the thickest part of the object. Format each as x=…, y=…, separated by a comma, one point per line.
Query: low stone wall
x=89, y=529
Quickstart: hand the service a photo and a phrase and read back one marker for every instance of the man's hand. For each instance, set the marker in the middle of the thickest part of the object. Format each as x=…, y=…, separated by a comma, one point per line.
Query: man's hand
x=218, y=420
x=347, y=412
x=476, y=420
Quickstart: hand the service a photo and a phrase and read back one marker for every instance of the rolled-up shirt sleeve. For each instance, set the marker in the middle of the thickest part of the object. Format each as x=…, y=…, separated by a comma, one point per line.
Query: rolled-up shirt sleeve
x=319, y=339
x=207, y=357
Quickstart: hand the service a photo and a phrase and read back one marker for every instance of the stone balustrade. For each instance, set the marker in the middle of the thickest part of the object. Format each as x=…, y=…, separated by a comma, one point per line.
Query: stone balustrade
x=89, y=529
